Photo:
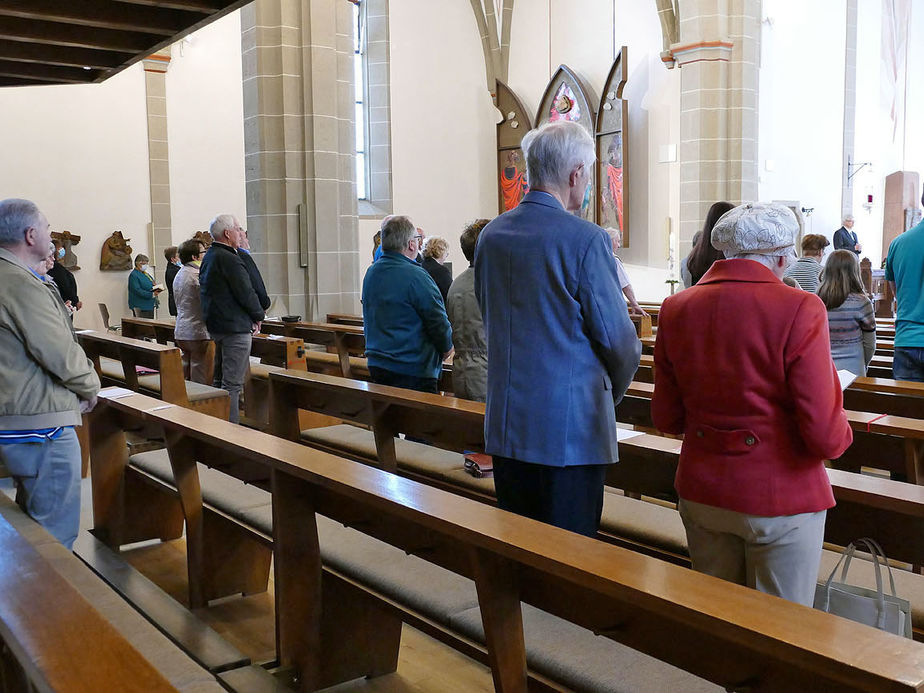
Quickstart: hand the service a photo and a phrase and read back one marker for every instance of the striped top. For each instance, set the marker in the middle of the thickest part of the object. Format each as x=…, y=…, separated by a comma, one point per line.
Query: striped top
x=805, y=271
x=846, y=325
x=37, y=436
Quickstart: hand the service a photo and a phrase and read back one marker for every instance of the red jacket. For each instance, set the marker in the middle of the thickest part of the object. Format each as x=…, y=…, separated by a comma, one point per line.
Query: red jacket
x=743, y=368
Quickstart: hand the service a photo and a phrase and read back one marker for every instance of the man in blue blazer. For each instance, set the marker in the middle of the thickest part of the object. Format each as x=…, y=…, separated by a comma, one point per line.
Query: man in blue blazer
x=561, y=347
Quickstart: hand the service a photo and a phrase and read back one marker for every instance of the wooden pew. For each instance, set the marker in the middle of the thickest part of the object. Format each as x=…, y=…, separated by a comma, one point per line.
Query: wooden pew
x=168, y=383
x=344, y=319
x=160, y=331
x=893, y=512
x=275, y=352
x=725, y=633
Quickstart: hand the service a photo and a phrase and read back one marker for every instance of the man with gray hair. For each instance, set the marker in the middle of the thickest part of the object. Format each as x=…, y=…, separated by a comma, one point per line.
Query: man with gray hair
x=561, y=347
x=845, y=238
x=743, y=369
x=230, y=307
x=46, y=381
x=404, y=319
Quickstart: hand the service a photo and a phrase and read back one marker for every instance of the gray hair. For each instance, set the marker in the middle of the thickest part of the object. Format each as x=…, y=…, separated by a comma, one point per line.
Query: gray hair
x=397, y=233
x=15, y=217
x=847, y=217
x=554, y=150
x=220, y=224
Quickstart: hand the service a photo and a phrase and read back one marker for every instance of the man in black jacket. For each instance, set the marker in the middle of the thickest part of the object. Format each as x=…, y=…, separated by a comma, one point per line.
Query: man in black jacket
x=230, y=307
x=171, y=254
x=845, y=238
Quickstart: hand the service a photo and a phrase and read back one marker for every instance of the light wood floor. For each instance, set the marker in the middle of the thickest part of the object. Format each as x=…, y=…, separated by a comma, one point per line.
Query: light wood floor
x=424, y=664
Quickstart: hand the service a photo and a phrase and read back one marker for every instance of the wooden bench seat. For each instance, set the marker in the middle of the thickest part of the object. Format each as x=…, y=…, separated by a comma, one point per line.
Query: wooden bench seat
x=723, y=632
x=125, y=653
x=115, y=358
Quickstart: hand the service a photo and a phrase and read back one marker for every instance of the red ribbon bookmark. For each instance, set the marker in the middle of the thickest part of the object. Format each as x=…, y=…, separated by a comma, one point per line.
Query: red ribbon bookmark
x=872, y=421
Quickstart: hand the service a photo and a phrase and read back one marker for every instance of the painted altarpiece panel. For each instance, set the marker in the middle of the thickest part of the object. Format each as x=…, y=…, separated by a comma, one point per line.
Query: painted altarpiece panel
x=566, y=98
x=511, y=164
x=610, y=133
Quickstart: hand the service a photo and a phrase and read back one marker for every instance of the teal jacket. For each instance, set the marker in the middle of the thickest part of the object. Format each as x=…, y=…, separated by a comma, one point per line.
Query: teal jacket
x=404, y=318
x=140, y=291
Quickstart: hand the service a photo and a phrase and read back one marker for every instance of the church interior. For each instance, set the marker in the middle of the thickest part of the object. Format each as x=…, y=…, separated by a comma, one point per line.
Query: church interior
x=312, y=121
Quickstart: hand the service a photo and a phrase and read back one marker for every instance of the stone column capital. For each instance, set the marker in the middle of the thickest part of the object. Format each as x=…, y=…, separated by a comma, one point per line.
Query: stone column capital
x=157, y=62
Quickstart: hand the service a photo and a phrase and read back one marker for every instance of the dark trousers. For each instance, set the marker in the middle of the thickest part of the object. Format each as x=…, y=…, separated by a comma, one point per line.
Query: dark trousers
x=908, y=363
x=138, y=313
x=383, y=376
x=567, y=497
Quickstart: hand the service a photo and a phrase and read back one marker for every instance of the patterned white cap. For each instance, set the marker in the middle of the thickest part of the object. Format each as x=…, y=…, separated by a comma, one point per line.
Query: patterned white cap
x=768, y=229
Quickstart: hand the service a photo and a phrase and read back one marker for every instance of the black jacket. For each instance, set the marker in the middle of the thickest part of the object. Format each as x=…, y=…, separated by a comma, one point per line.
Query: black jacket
x=169, y=276
x=255, y=278
x=845, y=240
x=67, y=285
x=229, y=303
x=440, y=273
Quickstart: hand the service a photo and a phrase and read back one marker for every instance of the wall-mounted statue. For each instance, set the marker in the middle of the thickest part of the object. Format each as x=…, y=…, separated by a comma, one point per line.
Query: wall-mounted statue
x=204, y=237
x=116, y=255
x=67, y=240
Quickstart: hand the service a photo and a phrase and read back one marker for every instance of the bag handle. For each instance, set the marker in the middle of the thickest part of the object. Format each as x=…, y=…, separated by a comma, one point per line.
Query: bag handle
x=873, y=547
x=845, y=558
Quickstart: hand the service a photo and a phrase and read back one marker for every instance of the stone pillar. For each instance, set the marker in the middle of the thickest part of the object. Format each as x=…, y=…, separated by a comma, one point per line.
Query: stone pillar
x=160, y=236
x=718, y=53
x=850, y=106
x=299, y=149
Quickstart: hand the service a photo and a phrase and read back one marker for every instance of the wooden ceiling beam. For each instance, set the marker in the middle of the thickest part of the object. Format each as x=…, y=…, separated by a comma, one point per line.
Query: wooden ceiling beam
x=60, y=55
x=19, y=82
x=47, y=73
x=18, y=29
x=207, y=6
x=100, y=13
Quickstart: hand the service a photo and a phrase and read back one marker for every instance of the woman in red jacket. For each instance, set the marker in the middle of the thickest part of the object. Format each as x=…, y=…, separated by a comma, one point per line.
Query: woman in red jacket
x=743, y=368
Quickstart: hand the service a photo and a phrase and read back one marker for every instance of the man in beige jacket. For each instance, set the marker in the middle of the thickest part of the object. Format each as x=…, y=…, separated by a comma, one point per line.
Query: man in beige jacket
x=46, y=379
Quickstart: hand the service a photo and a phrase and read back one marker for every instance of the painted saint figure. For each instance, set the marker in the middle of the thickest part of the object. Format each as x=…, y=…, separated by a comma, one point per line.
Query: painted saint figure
x=613, y=189
x=513, y=181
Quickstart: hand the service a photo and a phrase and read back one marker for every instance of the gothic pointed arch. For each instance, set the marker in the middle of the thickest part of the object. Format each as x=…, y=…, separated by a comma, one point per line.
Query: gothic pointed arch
x=566, y=98
x=511, y=165
x=610, y=135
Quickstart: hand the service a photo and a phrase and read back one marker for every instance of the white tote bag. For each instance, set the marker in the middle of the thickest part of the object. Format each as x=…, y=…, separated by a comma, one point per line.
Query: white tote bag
x=886, y=612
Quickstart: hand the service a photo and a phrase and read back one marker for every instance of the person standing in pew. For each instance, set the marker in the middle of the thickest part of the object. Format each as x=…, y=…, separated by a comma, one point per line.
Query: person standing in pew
x=904, y=270
x=190, y=332
x=230, y=307
x=470, y=363
x=46, y=381
x=561, y=347
x=173, y=266
x=404, y=320
x=142, y=292
x=743, y=369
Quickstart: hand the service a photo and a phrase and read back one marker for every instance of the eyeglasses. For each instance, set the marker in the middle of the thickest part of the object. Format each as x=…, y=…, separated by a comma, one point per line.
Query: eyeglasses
x=418, y=238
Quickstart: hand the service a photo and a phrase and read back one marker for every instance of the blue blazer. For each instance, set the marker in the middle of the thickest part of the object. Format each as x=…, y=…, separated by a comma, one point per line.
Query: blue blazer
x=561, y=347
x=845, y=240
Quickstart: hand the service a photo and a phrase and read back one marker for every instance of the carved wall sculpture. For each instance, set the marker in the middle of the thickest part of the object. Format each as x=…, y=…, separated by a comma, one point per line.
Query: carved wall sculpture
x=566, y=98
x=116, y=255
x=204, y=237
x=67, y=240
x=612, y=116
x=511, y=164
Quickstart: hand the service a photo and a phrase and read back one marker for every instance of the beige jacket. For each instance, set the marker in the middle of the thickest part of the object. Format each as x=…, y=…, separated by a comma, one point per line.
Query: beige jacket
x=44, y=372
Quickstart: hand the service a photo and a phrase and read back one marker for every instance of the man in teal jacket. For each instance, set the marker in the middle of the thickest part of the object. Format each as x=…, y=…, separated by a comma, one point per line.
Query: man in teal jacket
x=407, y=332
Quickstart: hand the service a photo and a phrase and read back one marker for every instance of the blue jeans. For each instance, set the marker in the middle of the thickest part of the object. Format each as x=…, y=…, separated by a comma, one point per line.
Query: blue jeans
x=47, y=478
x=908, y=364
x=232, y=361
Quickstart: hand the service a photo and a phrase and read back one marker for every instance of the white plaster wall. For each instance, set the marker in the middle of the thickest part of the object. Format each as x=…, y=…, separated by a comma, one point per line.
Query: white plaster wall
x=80, y=152
x=914, y=105
x=801, y=106
x=443, y=123
x=205, y=125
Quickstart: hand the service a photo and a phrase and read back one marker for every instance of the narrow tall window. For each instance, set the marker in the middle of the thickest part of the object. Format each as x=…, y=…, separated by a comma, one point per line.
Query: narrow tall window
x=359, y=72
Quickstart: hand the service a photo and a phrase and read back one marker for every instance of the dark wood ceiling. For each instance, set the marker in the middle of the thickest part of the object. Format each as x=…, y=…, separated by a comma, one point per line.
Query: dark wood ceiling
x=80, y=41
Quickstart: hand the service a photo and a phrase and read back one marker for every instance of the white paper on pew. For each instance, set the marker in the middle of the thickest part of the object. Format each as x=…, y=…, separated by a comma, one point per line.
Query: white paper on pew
x=114, y=392
x=83, y=331
x=276, y=336
x=625, y=434
x=846, y=377
x=162, y=406
x=255, y=359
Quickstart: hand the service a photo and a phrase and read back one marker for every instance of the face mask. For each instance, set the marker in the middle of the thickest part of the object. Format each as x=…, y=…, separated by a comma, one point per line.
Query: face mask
x=145, y=268
x=60, y=252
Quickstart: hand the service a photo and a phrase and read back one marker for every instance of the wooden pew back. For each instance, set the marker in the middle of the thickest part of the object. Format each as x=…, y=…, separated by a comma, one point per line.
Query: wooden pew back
x=726, y=633
x=141, y=328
